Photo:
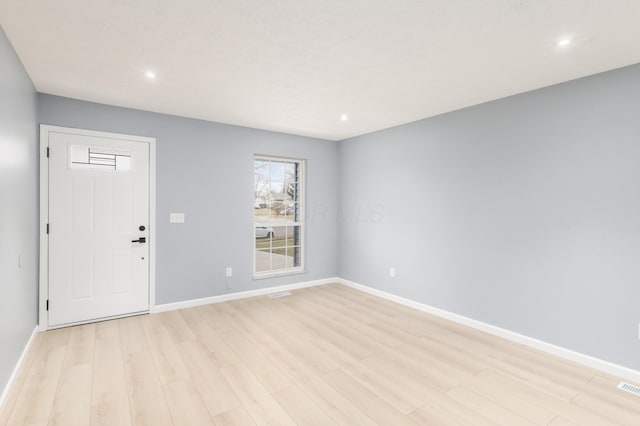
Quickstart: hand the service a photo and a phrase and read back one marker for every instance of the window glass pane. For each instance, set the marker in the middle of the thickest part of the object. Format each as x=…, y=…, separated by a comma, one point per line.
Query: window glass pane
x=106, y=159
x=290, y=171
x=263, y=260
x=294, y=235
x=277, y=187
x=295, y=212
x=261, y=183
x=288, y=213
x=261, y=215
x=279, y=259
x=297, y=256
x=278, y=171
x=264, y=236
x=280, y=237
x=289, y=194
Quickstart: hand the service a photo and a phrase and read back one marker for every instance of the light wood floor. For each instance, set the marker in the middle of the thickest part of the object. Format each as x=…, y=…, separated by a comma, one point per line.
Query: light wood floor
x=325, y=355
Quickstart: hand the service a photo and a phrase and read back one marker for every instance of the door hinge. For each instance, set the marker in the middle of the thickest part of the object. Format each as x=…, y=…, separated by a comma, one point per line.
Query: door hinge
x=47, y=228
x=47, y=304
x=47, y=152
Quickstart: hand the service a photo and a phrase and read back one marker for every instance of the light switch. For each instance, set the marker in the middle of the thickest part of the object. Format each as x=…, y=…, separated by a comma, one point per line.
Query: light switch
x=176, y=217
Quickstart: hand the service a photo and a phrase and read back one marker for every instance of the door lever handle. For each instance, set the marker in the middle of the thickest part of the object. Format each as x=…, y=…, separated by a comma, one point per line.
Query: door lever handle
x=140, y=240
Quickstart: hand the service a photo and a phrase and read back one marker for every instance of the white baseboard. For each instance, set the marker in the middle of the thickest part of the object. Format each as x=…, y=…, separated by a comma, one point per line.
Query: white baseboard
x=589, y=361
x=16, y=369
x=240, y=295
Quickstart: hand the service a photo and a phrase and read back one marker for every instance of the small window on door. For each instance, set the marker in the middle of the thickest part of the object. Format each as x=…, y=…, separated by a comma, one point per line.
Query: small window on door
x=99, y=158
x=278, y=216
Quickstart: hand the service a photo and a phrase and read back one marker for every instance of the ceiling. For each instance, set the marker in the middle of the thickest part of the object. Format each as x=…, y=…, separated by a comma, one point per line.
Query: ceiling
x=297, y=66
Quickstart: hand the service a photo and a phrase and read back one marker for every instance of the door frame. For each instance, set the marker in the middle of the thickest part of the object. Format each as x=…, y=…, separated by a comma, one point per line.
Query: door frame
x=43, y=293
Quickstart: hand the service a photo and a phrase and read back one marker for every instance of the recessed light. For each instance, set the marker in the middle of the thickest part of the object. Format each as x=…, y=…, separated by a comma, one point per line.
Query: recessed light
x=344, y=117
x=564, y=42
x=150, y=75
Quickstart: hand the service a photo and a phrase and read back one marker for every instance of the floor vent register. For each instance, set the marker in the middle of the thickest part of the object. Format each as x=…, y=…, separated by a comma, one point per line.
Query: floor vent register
x=629, y=388
x=279, y=295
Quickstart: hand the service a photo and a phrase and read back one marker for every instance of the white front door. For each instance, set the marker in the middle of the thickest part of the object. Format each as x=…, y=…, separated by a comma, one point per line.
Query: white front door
x=98, y=253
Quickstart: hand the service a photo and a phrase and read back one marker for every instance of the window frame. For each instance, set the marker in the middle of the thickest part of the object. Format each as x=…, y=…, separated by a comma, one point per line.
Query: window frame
x=301, y=222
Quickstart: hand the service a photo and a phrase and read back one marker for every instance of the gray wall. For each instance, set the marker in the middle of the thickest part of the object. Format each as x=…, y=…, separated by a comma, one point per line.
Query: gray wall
x=18, y=209
x=523, y=213
x=205, y=170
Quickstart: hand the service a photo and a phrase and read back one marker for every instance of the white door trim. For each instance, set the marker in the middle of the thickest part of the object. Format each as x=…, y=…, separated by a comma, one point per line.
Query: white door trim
x=45, y=129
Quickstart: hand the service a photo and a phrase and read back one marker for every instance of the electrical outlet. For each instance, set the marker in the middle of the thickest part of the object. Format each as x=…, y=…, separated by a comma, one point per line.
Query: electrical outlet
x=229, y=271
x=392, y=272
x=638, y=331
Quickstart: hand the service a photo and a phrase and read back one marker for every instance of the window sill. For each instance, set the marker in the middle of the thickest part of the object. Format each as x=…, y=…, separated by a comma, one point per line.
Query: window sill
x=276, y=274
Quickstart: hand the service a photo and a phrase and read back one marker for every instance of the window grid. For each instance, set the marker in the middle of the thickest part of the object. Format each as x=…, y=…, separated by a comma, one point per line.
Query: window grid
x=278, y=216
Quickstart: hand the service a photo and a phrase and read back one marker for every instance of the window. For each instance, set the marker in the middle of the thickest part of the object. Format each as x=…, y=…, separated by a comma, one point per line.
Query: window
x=278, y=216
x=89, y=157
